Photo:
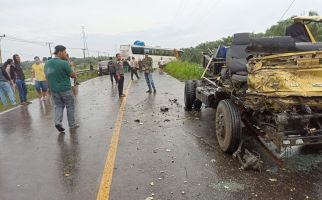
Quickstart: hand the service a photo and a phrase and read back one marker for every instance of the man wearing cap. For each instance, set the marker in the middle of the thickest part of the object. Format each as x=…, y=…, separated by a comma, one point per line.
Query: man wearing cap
x=58, y=73
x=148, y=69
x=120, y=74
x=40, y=80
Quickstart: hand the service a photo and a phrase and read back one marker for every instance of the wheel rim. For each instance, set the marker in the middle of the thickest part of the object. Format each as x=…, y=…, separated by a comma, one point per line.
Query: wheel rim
x=220, y=127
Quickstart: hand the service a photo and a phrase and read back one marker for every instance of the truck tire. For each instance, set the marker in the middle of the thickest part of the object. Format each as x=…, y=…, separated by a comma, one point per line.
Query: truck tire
x=189, y=94
x=228, y=126
x=197, y=103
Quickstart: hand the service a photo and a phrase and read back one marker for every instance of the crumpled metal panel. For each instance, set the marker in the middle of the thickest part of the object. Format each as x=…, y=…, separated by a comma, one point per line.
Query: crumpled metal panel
x=296, y=77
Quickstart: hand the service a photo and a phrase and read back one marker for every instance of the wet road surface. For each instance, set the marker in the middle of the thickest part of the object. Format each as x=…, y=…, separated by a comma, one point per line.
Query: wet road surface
x=165, y=155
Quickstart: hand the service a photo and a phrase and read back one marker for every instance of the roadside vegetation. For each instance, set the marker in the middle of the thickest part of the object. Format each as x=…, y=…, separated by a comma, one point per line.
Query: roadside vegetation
x=32, y=94
x=184, y=70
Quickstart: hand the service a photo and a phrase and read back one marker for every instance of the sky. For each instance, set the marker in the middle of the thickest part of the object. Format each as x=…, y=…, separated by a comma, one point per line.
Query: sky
x=108, y=24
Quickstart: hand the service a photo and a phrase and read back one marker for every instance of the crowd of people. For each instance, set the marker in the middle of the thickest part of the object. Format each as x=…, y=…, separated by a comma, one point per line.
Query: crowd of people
x=118, y=67
x=57, y=77
x=12, y=77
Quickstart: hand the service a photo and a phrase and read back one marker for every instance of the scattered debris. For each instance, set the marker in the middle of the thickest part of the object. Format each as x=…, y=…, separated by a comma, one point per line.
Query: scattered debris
x=212, y=160
x=152, y=184
x=67, y=174
x=272, y=179
x=164, y=109
x=160, y=178
x=168, y=150
x=173, y=100
x=230, y=186
x=141, y=123
x=149, y=198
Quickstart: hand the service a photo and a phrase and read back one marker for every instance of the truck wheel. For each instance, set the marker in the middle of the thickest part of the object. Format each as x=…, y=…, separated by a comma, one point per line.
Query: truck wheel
x=189, y=94
x=228, y=126
x=197, y=103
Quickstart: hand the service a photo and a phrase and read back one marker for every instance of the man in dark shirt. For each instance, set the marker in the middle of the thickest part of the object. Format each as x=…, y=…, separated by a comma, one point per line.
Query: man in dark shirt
x=6, y=89
x=111, y=69
x=20, y=80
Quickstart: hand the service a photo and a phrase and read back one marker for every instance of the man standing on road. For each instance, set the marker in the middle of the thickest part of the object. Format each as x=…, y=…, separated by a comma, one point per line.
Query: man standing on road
x=20, y=80
x=38, y=74
x=58, y=73
x=112, y=71
x=148, y=69
x=161, y=64
x=134, y=68
x=6, y=89
x=119, y=74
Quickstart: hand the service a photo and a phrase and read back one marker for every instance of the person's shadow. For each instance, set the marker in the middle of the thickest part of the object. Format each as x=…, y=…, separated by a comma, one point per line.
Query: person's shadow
x=69, y=160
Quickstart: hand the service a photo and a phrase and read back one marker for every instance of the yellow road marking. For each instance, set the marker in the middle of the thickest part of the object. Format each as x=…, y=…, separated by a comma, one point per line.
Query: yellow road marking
x=106, y=181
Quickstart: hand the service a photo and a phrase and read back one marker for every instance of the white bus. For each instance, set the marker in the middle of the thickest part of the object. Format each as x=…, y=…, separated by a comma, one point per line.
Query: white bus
x=154, y=52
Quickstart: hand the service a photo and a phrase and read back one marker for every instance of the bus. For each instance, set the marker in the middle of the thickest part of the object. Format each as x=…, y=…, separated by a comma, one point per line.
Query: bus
x=154, y=52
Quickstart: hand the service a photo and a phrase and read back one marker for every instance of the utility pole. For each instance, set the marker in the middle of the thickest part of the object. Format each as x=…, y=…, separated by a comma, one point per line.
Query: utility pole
x=85, y=48
x=84, y=54
x=50, y=43
x=1, y=36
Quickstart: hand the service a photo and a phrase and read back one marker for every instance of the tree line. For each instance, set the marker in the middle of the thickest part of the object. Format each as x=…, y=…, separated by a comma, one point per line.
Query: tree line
x=194, y=54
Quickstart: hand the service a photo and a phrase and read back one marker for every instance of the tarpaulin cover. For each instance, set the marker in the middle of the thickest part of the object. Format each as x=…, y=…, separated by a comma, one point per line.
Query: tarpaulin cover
x=139, y=43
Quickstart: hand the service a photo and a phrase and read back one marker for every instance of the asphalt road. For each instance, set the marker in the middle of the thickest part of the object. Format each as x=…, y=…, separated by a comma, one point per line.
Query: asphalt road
x=165, y=155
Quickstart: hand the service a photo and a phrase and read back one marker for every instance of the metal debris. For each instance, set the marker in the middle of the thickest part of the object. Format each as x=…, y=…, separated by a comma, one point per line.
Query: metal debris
x=164, y=109
x=247, y=159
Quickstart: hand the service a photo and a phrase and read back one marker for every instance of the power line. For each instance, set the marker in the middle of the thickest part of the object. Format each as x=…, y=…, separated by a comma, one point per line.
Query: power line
x=287, y=9
x=49, y=44
x=13, y=38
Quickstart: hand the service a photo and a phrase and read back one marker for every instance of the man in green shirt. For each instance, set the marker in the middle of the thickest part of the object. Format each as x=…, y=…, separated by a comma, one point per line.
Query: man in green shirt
x=148, y=69
x=58, y=74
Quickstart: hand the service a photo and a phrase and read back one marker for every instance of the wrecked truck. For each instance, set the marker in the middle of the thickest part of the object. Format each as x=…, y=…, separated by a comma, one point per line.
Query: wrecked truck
x=269, y=87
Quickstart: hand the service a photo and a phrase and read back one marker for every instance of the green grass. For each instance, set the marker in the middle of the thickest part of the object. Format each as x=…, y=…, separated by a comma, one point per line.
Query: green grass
x=183, y=70
x=87, y=76
x=32, y=94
